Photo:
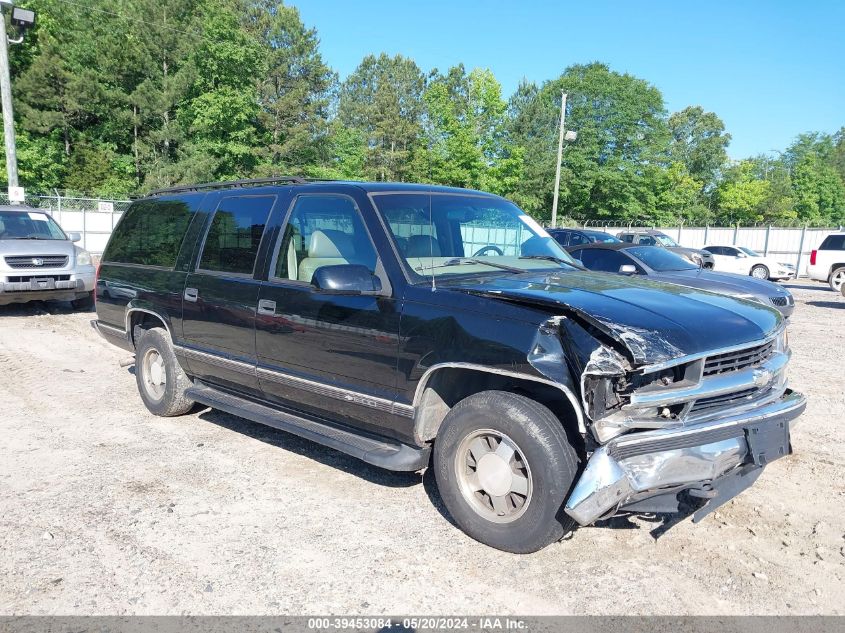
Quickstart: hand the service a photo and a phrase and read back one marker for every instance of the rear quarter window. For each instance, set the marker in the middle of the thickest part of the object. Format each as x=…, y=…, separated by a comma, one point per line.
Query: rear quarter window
x=833, y=243
x=151, y=231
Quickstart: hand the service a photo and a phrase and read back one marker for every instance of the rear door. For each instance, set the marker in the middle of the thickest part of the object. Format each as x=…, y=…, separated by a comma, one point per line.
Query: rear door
x=221, y=292
x=328, y=354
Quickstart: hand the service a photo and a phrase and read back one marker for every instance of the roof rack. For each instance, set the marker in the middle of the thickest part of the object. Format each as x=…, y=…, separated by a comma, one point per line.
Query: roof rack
x=291, y=180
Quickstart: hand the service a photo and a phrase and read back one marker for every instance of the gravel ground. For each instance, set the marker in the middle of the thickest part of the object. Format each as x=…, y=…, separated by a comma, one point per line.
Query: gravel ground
x=106, y=509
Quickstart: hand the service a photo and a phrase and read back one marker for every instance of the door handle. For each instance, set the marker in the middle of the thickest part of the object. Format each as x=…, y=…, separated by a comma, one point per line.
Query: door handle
x=265, y=306
x=191, y=294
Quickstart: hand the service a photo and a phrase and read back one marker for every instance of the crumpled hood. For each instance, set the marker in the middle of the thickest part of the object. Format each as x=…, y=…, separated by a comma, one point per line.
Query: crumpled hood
x=723, y=282
x=656, y=322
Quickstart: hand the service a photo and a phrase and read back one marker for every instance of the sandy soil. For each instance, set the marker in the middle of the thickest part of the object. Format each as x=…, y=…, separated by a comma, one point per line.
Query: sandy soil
x=106, y=509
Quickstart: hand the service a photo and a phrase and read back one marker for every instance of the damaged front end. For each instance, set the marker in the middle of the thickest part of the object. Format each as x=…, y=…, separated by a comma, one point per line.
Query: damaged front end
x=660, y=422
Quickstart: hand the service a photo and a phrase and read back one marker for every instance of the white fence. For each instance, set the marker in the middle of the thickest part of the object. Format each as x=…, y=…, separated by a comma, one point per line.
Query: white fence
x=788, y=245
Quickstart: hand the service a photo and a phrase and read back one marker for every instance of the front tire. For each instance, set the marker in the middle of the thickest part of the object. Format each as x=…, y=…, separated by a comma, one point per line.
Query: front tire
x=837, y=279
x=760, y=272
x=161, y=381
x=504, y=468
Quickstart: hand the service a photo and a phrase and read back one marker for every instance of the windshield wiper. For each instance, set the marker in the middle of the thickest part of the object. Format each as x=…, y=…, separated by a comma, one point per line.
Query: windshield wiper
x=458, y=261
x=552, y=258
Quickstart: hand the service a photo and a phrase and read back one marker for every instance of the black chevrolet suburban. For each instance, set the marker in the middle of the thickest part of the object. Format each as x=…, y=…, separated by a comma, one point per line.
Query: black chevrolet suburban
x=414, y=326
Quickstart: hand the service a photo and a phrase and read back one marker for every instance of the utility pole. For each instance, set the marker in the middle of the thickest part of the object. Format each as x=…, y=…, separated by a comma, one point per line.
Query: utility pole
x=559, y=157
x=6, y=102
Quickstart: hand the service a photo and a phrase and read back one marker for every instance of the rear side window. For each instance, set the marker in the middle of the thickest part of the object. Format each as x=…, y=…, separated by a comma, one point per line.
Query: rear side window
x=151, y=231
x=235, y=233
x=627, y=237
x=833, y=243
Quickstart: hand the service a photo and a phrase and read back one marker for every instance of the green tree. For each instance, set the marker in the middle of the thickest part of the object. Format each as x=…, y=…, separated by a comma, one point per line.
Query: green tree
x=610, y=172
x=742, y=195
x=466, y=142
x=699, y=142
x=294, y=92
x=677, y=194
x=382, y=99
x=818, y=191
x=345, y=155
x=220, y=115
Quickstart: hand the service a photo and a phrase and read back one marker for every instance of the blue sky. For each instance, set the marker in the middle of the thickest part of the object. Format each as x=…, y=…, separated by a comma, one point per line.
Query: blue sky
x=770, y=70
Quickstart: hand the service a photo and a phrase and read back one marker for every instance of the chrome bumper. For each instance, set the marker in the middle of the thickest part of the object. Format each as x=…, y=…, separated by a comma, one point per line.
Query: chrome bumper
x=639, y=465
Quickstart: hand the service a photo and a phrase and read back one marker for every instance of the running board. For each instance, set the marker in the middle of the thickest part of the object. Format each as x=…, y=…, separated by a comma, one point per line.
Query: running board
x=381, y=453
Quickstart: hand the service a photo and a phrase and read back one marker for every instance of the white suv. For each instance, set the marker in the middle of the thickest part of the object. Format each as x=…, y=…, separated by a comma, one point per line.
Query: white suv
x=39, y=261
x=827, y=263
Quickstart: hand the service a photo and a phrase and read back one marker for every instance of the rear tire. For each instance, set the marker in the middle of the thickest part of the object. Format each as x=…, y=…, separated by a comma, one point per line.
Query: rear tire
x=161, y=381
x=760, y=272
x=504, y=468
x=837, y=279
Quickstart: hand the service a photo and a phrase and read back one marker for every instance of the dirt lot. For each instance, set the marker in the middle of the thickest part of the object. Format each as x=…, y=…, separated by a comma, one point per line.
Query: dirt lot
x=106, y=509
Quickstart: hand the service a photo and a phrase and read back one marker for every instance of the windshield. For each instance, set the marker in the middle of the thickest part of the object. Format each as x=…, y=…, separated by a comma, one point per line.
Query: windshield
x=659, y=259
x=450, y=234
x=748, y=251
x=29, y=225
x=666, y=241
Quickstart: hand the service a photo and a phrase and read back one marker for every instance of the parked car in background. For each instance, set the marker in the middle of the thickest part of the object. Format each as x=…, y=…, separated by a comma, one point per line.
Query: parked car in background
x=416, y=326
x=657, y=238
x=573, y=237
x=39, y=261
x=660, y=264
x=827, y=262
x=744, y=261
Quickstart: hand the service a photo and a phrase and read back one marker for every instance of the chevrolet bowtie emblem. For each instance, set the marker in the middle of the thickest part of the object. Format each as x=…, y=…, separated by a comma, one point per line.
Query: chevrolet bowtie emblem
x=762, y=377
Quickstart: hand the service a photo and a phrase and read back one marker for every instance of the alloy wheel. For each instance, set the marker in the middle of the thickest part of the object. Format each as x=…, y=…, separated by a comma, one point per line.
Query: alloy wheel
x=154, y=374
x=493, y=475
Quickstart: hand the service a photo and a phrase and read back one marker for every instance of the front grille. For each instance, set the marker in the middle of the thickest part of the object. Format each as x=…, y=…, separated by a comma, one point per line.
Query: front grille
x=725, y=400
x=19, y=279
x=779, y=301
x=36, y=261
x=731, y=361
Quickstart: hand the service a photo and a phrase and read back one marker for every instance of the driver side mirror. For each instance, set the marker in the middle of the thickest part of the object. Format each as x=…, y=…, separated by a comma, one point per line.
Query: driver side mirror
x=346, y=279
x=741, y=255
x=74, y=237
x=627, y=269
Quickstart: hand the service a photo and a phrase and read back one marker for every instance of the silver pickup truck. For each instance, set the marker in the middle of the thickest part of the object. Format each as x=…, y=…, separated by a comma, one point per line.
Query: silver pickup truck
x=40, y=262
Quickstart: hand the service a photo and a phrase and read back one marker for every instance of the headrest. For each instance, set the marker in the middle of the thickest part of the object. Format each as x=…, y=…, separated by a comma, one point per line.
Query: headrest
x=422, y=246
x=330, y=244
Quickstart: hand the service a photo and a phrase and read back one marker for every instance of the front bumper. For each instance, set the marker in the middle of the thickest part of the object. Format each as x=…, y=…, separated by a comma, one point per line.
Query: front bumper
x=637, y=466
x=47, y=285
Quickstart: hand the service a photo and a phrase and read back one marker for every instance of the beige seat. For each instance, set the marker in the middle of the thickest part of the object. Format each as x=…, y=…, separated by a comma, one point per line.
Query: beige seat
x=325, y=248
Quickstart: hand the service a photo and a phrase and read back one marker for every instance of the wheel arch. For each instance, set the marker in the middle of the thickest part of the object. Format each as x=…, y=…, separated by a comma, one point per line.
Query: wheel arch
x=834, y=268
x=147, y=318
x=445, y=384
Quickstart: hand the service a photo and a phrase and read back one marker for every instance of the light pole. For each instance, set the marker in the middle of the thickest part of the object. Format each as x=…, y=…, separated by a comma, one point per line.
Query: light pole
x=23, y=19
x=563, y=136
